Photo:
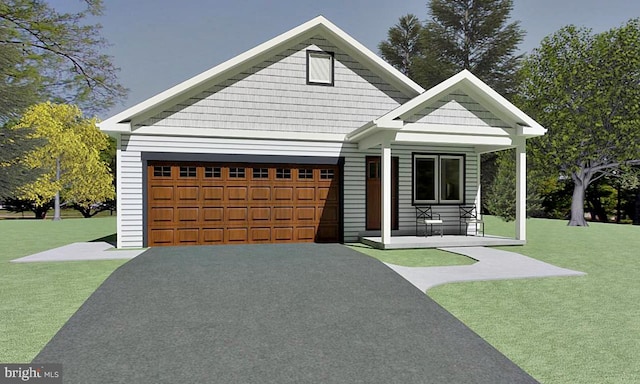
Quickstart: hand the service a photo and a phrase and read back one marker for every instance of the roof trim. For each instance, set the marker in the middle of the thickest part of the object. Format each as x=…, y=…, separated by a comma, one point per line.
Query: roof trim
x=318, y=25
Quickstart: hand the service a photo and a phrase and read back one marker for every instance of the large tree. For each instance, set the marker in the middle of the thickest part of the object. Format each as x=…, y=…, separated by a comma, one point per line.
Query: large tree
x=57, y=56
x=402, y=46
x=585, y=89
x=73, y=170
x=13, y=174
x=473, y=35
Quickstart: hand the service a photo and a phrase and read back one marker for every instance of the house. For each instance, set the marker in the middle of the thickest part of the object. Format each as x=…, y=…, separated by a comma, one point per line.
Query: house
x=307, y=137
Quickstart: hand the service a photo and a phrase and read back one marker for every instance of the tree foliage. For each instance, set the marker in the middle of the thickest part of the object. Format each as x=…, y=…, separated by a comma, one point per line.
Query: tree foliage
x=473, y=35
x=402, y=46
x=55, y=56
x=73, y=142
x=13, y=174
x=585, y=88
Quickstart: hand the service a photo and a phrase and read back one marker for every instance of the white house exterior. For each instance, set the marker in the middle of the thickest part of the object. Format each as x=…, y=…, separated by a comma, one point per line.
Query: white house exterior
x=307, y=137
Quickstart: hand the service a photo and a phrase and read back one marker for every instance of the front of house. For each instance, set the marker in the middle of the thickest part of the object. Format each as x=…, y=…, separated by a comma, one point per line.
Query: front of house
x=307, y=137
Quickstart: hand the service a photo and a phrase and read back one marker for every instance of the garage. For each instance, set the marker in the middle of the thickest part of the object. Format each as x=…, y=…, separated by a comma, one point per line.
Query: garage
x=191, y=203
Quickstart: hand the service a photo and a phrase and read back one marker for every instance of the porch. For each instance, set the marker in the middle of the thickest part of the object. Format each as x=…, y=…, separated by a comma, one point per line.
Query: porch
x=413, y=242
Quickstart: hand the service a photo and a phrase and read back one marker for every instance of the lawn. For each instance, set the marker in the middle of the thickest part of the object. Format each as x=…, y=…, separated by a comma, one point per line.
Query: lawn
x=562, y=330
x=414, y=257
x=36, y=299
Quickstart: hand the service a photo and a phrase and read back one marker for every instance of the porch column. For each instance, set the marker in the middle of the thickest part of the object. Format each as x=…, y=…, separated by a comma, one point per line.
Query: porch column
x=385, y=198
x=521, y=190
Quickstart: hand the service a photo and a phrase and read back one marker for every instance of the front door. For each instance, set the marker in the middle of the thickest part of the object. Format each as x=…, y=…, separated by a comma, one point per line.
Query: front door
x=374, y=195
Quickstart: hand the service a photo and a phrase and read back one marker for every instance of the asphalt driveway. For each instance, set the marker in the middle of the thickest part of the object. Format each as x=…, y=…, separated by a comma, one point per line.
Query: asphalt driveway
x=290, y=313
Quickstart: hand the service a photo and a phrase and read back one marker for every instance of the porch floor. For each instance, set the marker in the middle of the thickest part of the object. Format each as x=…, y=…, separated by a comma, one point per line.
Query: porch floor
x=407, y=242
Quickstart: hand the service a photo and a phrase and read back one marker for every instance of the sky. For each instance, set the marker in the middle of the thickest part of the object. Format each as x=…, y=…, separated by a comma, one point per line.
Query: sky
x=158, y=43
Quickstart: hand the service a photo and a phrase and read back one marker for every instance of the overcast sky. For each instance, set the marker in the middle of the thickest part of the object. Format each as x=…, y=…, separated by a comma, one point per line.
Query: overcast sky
x=160, y=43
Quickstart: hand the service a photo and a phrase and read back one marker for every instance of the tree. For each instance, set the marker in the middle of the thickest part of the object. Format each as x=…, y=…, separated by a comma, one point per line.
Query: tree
x=13, y=143
x=73, y=171
x=402, y=45
x=473, y=35
x=585, y=89
x=56, y=55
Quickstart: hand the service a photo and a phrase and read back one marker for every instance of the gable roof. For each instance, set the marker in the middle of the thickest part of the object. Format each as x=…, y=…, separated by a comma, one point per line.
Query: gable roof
x=468, y=83
x=122, y=121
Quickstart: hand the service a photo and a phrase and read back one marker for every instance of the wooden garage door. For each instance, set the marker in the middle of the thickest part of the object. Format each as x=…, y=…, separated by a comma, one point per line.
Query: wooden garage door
x=210, y=203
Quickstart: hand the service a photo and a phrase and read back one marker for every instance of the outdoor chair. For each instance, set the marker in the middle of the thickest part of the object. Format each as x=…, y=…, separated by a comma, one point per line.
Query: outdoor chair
x=424, y=215
x=469, y=216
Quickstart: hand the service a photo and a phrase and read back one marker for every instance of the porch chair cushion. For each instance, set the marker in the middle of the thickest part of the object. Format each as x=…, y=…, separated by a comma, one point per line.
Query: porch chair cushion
x=425, y=215
x=469, y=216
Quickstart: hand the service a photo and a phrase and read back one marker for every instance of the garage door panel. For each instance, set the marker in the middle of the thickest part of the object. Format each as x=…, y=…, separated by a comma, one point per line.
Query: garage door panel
x=260, y=213
x=161, y=215
x=235, y=214
x=212, y=214
x=213, y=193
x=187, y=193
x=241, y=203
x=283, y=193
x=212, y=235
x=260, y=194
x=237, y=193
x=260, y=235
x=237, y=235
x=283, y=234
x=188, y=236
x=306, y=214
x=188, y=214
x=161, y=193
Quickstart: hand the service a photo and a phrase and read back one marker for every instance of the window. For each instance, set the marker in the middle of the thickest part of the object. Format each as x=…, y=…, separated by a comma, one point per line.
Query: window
x=438, y=179
x=212, y=172
x=187, y=171
x=320, y=68
x=326, y=174
x=283, y=173
x=236, y=172
x=162, y=171
x=260, y=173
x=305, y=173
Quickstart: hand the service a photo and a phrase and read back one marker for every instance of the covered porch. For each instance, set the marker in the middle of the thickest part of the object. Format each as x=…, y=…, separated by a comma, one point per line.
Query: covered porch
x=463, y=118
x=417, y=242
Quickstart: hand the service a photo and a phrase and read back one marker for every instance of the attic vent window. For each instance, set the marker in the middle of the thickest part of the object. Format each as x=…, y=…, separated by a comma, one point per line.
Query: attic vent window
x=320, y=68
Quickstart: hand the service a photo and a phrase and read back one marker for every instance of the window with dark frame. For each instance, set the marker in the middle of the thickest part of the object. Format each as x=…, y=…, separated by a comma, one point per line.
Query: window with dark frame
x=162, y=171
x=326, y=174
x=187, y=171
x=212, y=172
x=320, y=68
x=260, y=173
x=438, y=179
x=283, y=173
x=305, y=173
x=236, y=172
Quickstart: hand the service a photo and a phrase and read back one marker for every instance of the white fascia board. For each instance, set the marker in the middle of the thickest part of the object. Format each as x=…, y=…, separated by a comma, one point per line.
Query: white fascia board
x=530, y=131
x=477, y=130
x=253, y=56
x=238, y=133
x=434, y=138
x=374, y=127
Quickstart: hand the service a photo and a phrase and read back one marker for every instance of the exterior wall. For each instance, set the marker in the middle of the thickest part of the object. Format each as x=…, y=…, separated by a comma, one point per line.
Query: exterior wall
x=274, y=96
x=130, y=215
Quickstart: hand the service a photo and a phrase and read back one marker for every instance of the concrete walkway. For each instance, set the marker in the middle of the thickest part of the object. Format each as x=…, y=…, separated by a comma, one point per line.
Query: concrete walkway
x=493, y=264
x=99, y=250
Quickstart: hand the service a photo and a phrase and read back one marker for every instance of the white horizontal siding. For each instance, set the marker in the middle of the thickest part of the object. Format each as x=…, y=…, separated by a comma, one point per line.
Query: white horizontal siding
x=130, y=178
x=275, y=96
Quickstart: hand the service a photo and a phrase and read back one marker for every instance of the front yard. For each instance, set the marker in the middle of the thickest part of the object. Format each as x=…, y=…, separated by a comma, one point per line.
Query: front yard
x=560, y=330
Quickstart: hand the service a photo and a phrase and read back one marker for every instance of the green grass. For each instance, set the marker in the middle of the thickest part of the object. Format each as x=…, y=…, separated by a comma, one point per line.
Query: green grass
x=414, y=257
x=562, y=330
x=36, y=299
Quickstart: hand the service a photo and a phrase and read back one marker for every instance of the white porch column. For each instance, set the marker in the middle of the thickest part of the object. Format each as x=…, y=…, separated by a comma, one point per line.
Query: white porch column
x=521, y=190
x=385, y=198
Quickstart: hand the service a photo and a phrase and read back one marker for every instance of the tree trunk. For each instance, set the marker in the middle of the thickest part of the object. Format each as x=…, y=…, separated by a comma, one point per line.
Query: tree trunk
x=577, y=202
x=56, y=207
